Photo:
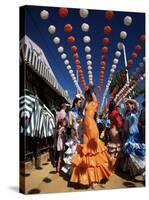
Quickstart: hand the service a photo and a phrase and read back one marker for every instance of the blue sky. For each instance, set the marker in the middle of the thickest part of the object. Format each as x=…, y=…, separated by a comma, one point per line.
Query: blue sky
x=37, y=30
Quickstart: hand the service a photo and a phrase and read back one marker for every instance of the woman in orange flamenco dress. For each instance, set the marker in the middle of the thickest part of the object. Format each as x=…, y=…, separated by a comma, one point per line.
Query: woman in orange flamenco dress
x=91, y=163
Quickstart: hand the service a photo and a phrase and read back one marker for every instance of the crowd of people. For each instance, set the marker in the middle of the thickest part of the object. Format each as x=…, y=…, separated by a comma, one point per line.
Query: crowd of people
x=90, y=147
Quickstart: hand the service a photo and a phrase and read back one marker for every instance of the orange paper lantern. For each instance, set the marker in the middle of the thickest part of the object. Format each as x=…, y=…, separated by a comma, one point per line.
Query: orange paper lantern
x=104, y=49
x=103, y=58
x=75, y=56
x=105, y=40
x=63, y=12
x=74, y=48
x=134, y=55
x=107, y=29
x=68, y=28
x=77, y=62
x=142, y=38
x=71, y=39
x=138, y=47
x=109, y=14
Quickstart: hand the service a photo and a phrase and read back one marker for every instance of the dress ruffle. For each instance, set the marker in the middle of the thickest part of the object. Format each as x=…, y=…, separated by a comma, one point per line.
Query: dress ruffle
x=91, y=164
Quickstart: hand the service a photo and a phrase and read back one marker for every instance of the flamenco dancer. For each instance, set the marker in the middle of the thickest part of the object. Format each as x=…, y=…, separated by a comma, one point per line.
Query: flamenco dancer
x=134, y=149
x=91, y=163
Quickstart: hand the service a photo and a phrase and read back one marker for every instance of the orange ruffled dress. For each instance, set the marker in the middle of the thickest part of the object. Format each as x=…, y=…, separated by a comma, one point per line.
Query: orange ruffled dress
x=91, y=163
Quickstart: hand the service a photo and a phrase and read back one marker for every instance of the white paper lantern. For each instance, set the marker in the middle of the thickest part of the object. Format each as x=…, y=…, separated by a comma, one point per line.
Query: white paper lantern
x=66, y=62
x=115, y=61
x=141, y=78
x=89, y=62
x=44, y=14
x=88, y=56
x=89, y=72
x=52, y=29
x=141, y=64
x=112, y=70
x=90, y=79
x=85, y=27
x=89, y=67
x=120, y=45
x=87, y=49
x=72, y=75
x=127, y=20
x=75, y=81
x=91, y=82
x=143, y=59
x=114, y=66
x=84, y=13
x=117, y=54
x=56, y=40
x=60, y=49
x=71, y=71
x=123, y=35
x=63, y=56
x=90, y=75
x=86, y=39
x=68, y=67
x=74, y=78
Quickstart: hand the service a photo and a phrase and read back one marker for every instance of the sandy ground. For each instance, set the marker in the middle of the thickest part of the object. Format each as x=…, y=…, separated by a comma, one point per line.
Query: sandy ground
x=46, y=180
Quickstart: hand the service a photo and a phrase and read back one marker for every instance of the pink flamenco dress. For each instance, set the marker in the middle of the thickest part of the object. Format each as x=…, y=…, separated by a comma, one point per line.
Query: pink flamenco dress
x=91, y=163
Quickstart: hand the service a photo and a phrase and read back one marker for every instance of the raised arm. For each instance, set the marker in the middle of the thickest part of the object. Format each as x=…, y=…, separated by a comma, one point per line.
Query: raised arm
x=91, y=87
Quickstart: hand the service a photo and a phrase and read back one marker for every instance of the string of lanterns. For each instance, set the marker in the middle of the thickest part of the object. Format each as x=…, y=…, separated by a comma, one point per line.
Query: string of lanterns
x=107, y=30
x=57, y=40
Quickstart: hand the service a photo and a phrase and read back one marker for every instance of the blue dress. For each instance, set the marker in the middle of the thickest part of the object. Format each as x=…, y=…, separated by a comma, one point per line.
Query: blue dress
x=134, y=149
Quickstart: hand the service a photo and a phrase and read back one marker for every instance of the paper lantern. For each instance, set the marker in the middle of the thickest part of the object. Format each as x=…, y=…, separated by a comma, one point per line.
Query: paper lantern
x=89, y=62
x=77, y=62
x=44, y=14
x=142, y=38
x=78, y=67
x=101, y=72
x=103, y=58
x=90, y=75
x=141, y=64
x=66, y=62
x=63, y=56
x=127, y=21
x=134, y=55
x=71, y=71
x=130, y=62
x=102, y=68
x=115, y=61
x=123, y=35
x=105, y=40
x=71, y=39
x=109, y=14
x=87, y=49
x=60, y=49
x=112, y=70
x=72, y=75
x=138, y=47
x=107, y=29
x=68, y=28
x=114, y=66
x=56, y=40
x=89, y=67
x=88, y=56
x=117, y=54
x=84, y=13
x=120, y=45
x=75, y=56
x=86, y=39
x=68, y=67
x=63, y=12
x=52, y=29
x=104, y=49
x=85, y=27
x=89, y=72
x=74, y=48
x=102, y=63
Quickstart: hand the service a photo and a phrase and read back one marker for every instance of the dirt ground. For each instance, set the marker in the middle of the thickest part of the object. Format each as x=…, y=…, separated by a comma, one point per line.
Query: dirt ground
x=46, y=180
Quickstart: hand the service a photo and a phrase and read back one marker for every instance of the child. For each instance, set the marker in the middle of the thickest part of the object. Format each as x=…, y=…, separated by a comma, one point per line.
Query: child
x=60, y=142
